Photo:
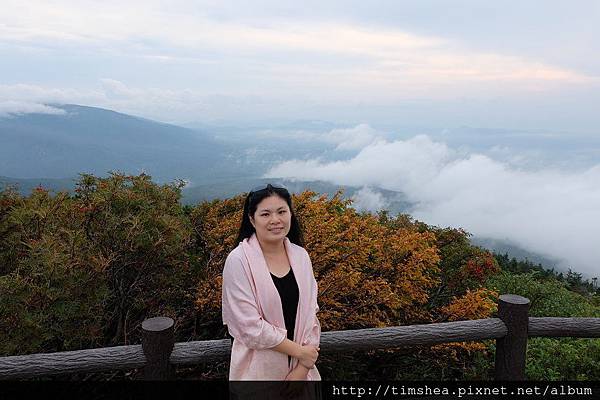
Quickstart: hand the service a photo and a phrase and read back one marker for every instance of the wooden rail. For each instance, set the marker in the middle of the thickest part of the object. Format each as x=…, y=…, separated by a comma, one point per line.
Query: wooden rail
x=157, y=354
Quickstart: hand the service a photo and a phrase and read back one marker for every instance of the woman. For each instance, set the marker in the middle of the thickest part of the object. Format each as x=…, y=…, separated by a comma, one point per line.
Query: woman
x=270, y=294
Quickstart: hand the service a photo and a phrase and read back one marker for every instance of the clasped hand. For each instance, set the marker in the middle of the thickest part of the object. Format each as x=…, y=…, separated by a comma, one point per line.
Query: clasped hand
x=308, y=356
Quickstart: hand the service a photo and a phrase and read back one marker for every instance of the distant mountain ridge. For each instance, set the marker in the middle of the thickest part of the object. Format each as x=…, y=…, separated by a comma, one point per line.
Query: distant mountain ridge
x=25, y=186
x=514, y=250
x=95, y=140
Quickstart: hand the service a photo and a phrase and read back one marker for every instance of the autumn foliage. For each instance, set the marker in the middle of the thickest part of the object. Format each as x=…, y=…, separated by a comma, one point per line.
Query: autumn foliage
x=84, y=270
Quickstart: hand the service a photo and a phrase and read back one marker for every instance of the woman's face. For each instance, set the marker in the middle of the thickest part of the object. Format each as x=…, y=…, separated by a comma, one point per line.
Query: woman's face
x=272, y=219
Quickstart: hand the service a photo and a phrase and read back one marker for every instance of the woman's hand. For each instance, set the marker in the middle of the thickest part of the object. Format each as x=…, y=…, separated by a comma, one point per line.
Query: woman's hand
x=292, y=387
x=308, y=356
x=298, y=374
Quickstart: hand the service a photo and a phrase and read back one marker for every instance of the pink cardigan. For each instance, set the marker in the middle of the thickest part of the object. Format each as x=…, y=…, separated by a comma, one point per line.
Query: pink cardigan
x=253, y=313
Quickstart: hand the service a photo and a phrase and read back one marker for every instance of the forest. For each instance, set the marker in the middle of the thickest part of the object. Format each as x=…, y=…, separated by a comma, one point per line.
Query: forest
x=84, y=270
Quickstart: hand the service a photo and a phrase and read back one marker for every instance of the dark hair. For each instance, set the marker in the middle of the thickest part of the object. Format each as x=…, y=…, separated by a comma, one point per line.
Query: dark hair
x=251, y=203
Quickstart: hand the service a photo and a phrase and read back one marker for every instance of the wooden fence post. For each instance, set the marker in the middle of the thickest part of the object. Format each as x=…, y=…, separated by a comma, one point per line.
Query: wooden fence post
x=513, y=310
x=158, y=340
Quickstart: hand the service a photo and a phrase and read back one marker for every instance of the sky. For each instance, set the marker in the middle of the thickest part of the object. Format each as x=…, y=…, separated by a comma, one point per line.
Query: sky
x=426, y=68
x=511, y=64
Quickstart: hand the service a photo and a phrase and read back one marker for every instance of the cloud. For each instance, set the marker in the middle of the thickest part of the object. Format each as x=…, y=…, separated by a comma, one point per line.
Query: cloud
x=167, y=105
x=548, y=211
x=162, y=104
x=26, y=94
x=8, y=108
x=366, y=199
x=351, y=138
x=384, y=164
x=118, y=90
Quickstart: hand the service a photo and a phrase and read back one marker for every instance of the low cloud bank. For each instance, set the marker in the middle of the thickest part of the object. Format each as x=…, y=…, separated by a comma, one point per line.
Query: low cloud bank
x=366, y=199
x=550, y=211
x=351, y=138
x=9, y=108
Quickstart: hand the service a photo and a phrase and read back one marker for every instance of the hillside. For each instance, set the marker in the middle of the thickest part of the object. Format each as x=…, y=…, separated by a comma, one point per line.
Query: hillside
x=94, y=140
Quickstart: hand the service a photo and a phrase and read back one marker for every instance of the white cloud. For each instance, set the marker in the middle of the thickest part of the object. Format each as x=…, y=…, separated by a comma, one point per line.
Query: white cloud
x=8, y=108
x=366, y=199
x=354, y=138
x=116, y=89
x=548, y=211
x=37, y=93
x=384, y=164
x=167, y=105
x=162, y=104
x=351, y=138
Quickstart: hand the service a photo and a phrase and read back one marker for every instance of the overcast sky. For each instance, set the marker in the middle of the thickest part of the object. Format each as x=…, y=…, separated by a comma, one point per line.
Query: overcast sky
x=512, y=64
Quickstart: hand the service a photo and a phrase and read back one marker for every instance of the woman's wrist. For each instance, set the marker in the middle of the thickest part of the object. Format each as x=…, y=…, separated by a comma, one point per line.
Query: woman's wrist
x=290, y=348
x=298, y=350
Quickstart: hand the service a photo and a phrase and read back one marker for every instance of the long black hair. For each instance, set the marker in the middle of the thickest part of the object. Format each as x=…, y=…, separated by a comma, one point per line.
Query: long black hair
x=251, y=203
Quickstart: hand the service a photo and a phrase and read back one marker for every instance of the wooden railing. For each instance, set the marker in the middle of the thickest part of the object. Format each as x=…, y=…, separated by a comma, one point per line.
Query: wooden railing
x=158, y=353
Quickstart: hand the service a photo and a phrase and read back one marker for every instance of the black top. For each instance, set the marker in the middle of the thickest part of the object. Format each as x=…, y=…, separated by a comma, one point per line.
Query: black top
x=289, y=293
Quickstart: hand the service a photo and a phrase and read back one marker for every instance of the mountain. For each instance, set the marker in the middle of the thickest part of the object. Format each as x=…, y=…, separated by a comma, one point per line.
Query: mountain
x=95, y=140
x=229, y=188
x=25, y=186
x=514, y=250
